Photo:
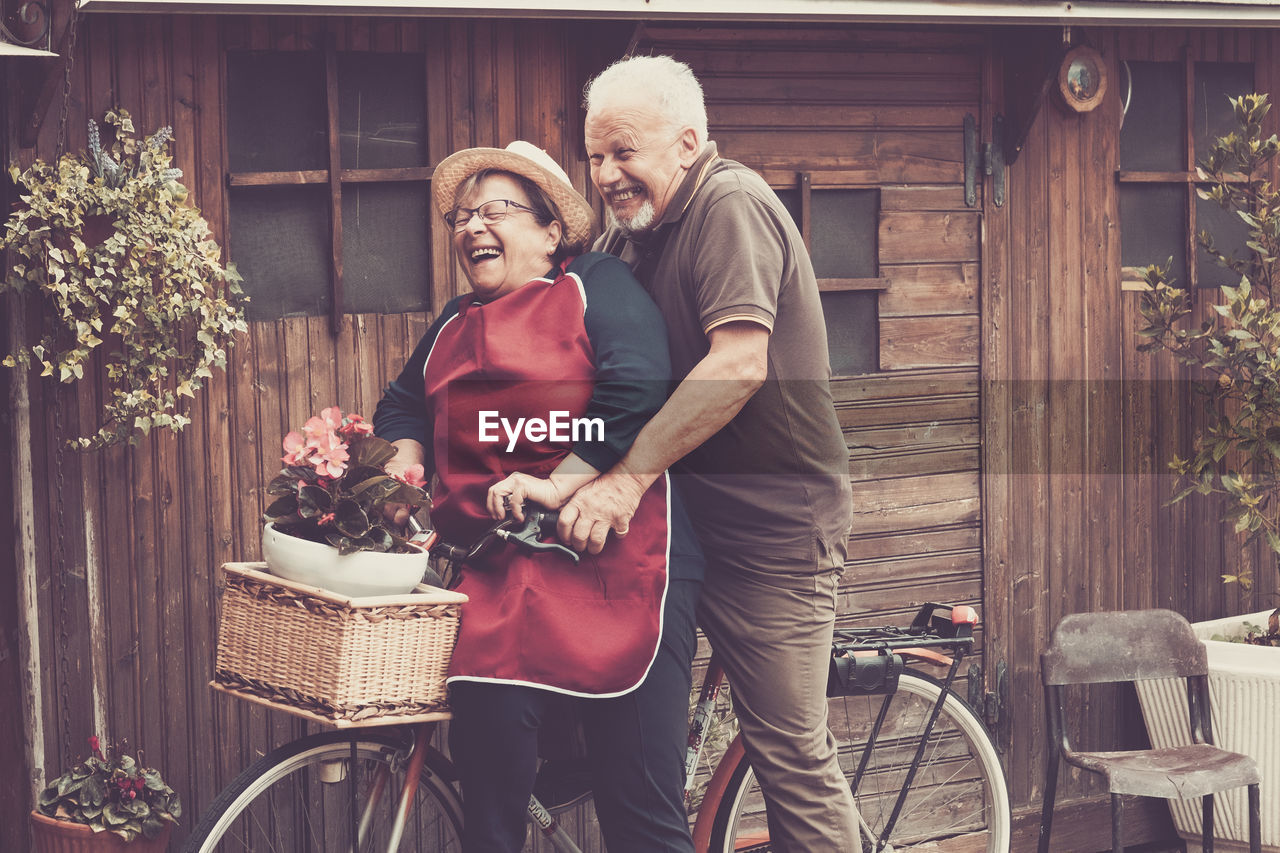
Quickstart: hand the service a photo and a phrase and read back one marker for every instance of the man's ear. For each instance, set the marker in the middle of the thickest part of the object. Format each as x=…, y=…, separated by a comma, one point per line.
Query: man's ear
x=687, y=147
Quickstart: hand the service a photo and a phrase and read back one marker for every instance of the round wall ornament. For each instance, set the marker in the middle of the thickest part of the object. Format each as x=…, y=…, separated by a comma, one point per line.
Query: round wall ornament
x=1082, y=79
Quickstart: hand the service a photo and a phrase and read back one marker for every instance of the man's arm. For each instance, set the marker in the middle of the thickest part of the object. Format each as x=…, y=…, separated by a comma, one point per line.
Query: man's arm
x=713, y=392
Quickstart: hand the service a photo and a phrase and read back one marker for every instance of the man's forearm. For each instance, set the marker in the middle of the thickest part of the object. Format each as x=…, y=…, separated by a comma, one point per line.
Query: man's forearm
x=707, y=399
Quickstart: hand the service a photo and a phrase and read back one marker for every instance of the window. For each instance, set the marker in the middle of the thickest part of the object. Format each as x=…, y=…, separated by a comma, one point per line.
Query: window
x=1164, y=133
x=320, y=225
x=840, y=225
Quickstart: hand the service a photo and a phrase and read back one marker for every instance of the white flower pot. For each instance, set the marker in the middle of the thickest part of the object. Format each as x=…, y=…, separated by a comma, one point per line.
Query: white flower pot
x=361, y=574
x=1244, y=694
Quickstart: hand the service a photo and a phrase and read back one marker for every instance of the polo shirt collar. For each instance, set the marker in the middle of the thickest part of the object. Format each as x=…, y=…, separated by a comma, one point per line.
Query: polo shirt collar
x=689, y=186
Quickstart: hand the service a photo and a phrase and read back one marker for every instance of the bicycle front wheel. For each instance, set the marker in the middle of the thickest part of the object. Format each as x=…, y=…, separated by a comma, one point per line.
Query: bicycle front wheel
x=958, y=800
x=314, y=795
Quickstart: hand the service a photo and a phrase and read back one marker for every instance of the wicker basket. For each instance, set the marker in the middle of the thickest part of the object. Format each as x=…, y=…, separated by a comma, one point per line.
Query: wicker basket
x=325, y=656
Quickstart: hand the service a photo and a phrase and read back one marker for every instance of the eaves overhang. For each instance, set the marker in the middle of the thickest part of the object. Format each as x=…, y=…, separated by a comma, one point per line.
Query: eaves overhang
x=1243, y=13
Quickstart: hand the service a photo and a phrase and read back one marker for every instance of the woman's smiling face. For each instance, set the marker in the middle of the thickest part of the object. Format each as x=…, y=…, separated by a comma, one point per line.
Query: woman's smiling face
x=505, y=255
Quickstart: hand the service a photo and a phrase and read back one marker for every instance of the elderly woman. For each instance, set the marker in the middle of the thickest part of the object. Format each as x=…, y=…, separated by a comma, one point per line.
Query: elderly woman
x=550, y=336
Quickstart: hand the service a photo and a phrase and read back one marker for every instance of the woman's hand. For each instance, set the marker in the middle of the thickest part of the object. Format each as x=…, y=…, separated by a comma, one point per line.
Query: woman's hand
x=409, y=453
x=510, y=494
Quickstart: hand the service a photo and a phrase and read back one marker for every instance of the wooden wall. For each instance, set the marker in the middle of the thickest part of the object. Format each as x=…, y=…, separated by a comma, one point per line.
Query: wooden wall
x=1009, y=453
x=1077, y=425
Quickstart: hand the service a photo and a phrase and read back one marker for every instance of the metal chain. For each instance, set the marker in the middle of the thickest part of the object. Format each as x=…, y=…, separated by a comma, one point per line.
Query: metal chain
x=72, y=27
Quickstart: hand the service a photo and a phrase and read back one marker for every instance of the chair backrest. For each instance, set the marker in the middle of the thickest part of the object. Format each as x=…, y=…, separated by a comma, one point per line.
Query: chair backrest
x=1122, y=645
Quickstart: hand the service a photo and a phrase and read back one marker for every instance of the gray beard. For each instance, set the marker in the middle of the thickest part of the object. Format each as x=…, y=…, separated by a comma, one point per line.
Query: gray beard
x=642, y=220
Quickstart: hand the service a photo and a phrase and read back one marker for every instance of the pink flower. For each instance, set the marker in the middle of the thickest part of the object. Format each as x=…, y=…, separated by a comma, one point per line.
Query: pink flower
x=332, y=416
x=95, y=745
x=413, y=475
x=355, y=425
x=296, y=450
x=327, y=518
x=316, y=428
x=330, y=456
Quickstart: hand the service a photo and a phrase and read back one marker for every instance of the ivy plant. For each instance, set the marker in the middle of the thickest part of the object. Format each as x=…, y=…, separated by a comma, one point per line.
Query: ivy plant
x=124, y=268
x=1236, y=350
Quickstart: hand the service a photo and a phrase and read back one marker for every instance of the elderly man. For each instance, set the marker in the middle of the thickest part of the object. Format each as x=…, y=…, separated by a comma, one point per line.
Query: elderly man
x=750, y=431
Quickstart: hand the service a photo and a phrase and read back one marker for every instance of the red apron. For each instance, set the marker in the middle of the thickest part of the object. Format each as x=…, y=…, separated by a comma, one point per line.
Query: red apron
x=537, y=619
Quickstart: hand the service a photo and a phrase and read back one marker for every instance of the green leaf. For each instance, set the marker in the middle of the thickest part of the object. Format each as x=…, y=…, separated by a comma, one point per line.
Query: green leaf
x=371, y=451
x=313, y=501
x=350, y=519
x=284, y=508
x=95, y=791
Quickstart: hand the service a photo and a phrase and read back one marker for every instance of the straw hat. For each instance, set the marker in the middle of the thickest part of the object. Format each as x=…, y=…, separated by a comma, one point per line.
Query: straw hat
x=529, y=161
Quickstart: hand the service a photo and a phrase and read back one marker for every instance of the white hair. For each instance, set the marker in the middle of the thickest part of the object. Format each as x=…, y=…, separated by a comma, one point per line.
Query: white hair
x=670, y=84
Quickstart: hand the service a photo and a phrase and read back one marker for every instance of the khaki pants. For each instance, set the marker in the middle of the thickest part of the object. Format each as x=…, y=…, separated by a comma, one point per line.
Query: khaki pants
x=770, y=622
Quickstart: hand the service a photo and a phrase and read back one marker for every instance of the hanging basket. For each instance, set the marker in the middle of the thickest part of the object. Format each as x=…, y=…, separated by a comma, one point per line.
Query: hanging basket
x=62, y=836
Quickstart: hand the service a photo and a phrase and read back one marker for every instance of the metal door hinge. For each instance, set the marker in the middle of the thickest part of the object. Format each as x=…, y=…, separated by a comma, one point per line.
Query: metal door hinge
x=992, y=706
x=992, y=160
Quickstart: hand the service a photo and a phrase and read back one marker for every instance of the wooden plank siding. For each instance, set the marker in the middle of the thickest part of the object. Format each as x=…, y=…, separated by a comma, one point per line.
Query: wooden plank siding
x=1077, y=426
x=1009, y=452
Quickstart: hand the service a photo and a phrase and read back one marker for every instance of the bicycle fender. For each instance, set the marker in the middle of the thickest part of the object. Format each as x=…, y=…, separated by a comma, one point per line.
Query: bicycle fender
x=734, y=754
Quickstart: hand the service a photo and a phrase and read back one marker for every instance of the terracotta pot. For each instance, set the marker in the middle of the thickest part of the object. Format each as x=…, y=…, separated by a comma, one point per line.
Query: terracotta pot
x=62, y=836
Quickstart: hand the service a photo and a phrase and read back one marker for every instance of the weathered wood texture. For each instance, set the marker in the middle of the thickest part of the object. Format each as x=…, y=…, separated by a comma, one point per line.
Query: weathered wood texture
x=1008, y=454
x=1077, y=426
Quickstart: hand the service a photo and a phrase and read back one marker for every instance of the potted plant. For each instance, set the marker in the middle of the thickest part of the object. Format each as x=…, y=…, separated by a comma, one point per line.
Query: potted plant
x=106, y=804
x=126, y=271
x=326, y=526
x=1236, y=457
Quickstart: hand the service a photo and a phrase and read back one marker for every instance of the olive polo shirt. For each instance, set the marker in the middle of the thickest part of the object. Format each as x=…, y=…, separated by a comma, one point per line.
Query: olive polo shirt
x=775, y=478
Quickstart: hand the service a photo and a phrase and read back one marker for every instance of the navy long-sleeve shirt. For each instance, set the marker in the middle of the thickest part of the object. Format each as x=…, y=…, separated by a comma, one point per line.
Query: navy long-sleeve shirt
x=633, y=368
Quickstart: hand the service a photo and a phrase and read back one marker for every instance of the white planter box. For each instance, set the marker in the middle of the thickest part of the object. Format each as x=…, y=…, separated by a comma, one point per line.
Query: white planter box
x=1244, y=692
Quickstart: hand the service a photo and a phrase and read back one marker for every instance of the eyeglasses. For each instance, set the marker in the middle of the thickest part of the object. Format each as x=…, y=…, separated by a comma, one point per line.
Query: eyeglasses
x=491, y=212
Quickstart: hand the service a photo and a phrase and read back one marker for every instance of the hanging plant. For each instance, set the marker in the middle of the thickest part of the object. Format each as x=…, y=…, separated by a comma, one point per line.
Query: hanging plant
x=123, y=267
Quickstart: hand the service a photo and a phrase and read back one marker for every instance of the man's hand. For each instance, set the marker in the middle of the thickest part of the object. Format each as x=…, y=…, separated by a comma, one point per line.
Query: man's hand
x=598, y=507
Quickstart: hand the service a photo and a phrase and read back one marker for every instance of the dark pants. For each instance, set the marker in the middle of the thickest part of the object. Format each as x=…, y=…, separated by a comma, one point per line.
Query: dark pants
x=635, y=744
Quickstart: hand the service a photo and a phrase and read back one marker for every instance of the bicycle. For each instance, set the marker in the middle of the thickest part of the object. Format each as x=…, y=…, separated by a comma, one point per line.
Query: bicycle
x=922, y=766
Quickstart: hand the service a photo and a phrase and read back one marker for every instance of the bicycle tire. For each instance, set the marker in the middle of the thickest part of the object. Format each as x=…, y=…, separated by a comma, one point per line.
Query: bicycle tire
x=959, y=789
x=296, y=799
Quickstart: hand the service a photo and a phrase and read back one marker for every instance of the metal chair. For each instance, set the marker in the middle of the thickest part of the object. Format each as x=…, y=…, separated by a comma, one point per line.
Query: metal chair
x=1133, y=645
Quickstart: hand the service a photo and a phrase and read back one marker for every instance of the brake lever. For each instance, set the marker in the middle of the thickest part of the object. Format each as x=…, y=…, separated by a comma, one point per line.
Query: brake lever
x=528, y=536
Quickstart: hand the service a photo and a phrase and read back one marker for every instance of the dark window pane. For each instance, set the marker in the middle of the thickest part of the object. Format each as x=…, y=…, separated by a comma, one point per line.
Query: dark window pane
x=1152, y=137
x=1153, y=222
x=382, y=110
x=385, y=267
x=276, y=115
x=1229, y=235
x=853, y=336
x=1215, y=81
x=791, y=201
x=280, y=242
x=843, y=231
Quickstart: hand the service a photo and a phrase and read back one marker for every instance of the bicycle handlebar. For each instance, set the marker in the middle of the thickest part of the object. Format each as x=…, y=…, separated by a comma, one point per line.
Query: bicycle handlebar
x=527, y=535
